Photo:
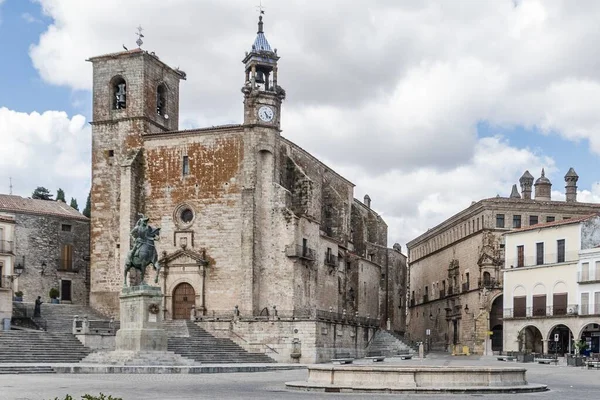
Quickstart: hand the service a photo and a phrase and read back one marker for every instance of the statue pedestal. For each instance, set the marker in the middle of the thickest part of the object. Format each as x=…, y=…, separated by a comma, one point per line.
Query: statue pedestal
x=141, y=322
x=141, y=339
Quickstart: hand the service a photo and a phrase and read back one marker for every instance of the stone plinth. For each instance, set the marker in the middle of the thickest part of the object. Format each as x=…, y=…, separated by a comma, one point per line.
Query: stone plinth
x=141, y=329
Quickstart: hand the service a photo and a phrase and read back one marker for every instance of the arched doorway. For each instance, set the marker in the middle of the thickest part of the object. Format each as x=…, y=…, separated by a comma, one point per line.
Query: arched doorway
x=590, y=334
x=496, y=323
x=563, y=345
x=184, y=297
x=530, y=339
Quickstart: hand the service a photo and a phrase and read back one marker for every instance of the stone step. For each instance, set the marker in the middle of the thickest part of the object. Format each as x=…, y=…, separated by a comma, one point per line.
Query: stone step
x=26, y=370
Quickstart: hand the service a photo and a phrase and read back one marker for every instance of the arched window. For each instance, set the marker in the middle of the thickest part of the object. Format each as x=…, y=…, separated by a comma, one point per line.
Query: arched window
x=161, y=99
x=119, y=93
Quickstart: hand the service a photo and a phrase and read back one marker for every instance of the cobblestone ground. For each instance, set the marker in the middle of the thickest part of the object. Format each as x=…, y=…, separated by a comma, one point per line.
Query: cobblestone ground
x=565, y=383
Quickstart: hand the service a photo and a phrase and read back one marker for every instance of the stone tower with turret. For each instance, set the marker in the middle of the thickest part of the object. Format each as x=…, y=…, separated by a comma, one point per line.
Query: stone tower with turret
x=543, y=188
x=526, y=182
x=571, y=179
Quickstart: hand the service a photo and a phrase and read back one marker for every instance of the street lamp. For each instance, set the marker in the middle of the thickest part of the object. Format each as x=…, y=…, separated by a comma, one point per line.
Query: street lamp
x=19, y=268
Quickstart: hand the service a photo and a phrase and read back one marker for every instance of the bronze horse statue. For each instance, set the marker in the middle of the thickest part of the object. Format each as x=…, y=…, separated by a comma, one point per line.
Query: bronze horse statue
x=143, y=252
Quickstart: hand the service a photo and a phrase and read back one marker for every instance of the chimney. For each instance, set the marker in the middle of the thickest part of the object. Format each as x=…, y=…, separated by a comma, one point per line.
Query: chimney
x=571, y=188
x=526, y=182
x=367, y=201
x=515, y=193
x=543, y=188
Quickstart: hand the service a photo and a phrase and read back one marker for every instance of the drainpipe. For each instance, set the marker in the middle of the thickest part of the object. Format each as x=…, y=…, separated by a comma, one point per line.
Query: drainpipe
x=387, y=280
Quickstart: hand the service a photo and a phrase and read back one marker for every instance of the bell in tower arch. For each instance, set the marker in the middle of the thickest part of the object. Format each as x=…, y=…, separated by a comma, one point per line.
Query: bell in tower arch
x=260, y=77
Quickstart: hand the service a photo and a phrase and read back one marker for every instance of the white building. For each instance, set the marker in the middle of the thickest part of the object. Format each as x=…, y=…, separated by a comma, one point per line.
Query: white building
x=7, y=256
x=550, y=292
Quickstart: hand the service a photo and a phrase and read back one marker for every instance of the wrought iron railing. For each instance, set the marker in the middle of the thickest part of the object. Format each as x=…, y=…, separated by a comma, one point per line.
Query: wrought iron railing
x=331, y=259
x=588, y=277
x=301, y=252
x=491, y=283
x=442, y=294
x=547, y=311
x=465, y=287
x=450, y=291
x=547, y=259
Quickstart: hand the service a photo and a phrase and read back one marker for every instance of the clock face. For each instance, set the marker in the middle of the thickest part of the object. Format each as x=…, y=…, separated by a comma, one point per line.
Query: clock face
x=266, y=113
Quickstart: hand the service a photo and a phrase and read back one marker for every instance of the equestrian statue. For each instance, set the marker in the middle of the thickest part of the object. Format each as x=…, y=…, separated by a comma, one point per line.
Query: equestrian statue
x=143, y=252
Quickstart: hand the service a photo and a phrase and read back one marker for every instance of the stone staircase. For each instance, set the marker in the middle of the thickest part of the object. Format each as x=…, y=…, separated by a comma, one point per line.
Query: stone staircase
x=59, y=317
x=27, y=346
x=14, y=369
x=201, y=346
x=387, y=343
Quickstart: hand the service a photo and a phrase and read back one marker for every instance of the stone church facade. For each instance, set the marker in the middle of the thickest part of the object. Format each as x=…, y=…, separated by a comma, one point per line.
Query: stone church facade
x=252, y=225
x=456, y=268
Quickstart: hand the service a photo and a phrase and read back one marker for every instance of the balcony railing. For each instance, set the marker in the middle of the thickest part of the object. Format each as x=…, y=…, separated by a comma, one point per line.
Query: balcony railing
x=425, y=298
x=331, y=260
x=300, y=251
x=412, y=302
x=548, y=259
x=492, y=283
x=450, y=291
x=7, y=246
x=5, y=282
x=442, y=293
x=548, y=311
x=589, y=277
x=465, y=287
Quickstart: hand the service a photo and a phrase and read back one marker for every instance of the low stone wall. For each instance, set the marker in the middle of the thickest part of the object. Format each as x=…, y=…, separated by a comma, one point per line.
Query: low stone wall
x=97, y=342
x=292, y=340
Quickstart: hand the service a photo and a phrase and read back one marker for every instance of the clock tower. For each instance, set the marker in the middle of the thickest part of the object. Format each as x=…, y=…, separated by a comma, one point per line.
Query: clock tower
x=262, y=95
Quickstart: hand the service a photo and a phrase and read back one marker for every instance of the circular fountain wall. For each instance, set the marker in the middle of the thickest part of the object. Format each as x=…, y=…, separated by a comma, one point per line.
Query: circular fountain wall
x=415, y=379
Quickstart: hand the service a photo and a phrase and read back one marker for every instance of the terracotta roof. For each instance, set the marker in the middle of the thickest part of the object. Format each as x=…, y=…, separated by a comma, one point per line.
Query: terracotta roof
x=554, y=223
x=18, y=204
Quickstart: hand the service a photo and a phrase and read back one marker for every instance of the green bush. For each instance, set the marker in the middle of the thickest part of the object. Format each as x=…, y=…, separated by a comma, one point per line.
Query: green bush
x=102, y=396
x=54, y=293
x=18, y=293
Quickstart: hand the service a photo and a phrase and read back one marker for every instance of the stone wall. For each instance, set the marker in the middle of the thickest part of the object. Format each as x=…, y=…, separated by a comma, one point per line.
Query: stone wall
x=39, y=240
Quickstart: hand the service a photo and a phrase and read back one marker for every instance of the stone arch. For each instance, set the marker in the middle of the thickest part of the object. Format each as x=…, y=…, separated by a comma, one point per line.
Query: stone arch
x=162, y=93
x=590, y=333
x=565, y=336
x=593, y=324
x=531, y=339
x=118, y=92
x=560, y=287
x=539, y=289
x=519, y=290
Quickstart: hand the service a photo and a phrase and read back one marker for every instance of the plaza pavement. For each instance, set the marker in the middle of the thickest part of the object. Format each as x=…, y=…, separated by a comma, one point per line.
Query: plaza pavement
x=565, y=383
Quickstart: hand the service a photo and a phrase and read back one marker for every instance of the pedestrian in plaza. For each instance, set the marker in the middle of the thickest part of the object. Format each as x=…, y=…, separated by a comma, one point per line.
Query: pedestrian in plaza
x=37, y=312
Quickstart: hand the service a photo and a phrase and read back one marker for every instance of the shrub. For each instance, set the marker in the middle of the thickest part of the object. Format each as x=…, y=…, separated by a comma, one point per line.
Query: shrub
x=102, y=396
x=18, y=293
x=54, y=293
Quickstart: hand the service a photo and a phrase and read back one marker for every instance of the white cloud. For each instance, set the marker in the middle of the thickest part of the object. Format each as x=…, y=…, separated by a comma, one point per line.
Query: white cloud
x=48, y=149
x=388, y=91
x=30, y=18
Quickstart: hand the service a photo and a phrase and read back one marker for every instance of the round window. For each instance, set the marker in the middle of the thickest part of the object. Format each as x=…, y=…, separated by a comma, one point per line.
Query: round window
x=187, y=215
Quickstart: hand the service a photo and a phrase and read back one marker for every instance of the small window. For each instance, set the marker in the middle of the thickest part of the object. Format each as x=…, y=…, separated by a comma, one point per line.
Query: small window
x=66, y=257
x=186, y=165
x=516, y=221
x=539, y=253
x=111, y=153
x=499, y=220
x=520, y=256
x=65, y=228
x=533, y=220
x=560, y=250
x=566, y=217
x=550, y=218
x=119, y=89
x=187, y=215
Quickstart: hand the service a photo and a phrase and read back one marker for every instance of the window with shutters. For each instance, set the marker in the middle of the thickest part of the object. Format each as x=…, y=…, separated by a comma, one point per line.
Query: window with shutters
x=520, y=306
x=560, y=250
x=585, y=303
x=520, y=256
x=539, y=253
x=66, y=257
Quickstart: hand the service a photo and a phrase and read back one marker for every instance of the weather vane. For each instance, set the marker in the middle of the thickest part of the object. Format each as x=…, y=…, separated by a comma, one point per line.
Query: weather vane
x=260, y=8
x=139, y=40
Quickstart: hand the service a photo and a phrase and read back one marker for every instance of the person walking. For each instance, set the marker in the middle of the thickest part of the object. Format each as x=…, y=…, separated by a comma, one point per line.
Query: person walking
x=37, y=312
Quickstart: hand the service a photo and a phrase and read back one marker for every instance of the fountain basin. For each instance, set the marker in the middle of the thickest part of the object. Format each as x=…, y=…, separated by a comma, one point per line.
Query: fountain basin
x=421, y=379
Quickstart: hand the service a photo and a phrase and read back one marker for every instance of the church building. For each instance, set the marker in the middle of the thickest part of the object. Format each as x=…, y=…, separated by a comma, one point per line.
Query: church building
x=259, y=239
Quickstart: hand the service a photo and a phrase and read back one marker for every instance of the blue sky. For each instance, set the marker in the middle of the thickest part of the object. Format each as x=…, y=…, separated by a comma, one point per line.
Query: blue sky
x=424, y=106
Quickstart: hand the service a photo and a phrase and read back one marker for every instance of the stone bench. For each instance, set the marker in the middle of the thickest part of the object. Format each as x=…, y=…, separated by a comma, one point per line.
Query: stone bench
x=507, y=358
x=343, y=358
x=546, y=360
x=376, y=358
x=405, y=355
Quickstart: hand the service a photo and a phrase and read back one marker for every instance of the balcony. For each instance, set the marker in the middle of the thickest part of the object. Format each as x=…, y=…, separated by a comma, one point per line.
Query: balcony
x=450, y=291
x=545, y=312
x=425, y=298
x=7, y=246
x=587, y=309
x=301, y=252
x=588, y=277
x=442, y=293
x=465, y=287
x=412, y=302
x=331, y=260
x=489, y=284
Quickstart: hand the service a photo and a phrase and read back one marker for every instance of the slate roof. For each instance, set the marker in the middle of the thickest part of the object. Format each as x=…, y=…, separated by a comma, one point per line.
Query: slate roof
x=18, y=204
x=261, y=43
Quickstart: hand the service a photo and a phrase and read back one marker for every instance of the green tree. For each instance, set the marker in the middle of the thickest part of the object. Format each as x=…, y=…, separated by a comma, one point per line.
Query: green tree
x=60, y=195
x=87, y=211
x=74, y=203
x=41, y=193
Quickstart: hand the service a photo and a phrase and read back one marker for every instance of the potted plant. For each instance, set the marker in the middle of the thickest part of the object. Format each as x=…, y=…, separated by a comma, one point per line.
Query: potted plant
x=577, y=359
x=54, y=293
x=18, y=295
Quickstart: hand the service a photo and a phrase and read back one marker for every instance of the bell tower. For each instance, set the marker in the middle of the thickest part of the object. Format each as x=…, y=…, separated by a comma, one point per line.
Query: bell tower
x=262, y=95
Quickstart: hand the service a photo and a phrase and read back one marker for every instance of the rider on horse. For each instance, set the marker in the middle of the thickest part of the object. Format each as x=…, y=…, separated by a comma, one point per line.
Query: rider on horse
x=144, y=236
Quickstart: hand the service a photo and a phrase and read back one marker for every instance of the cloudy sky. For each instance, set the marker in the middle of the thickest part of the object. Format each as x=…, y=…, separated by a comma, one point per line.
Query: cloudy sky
x=424, y=105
